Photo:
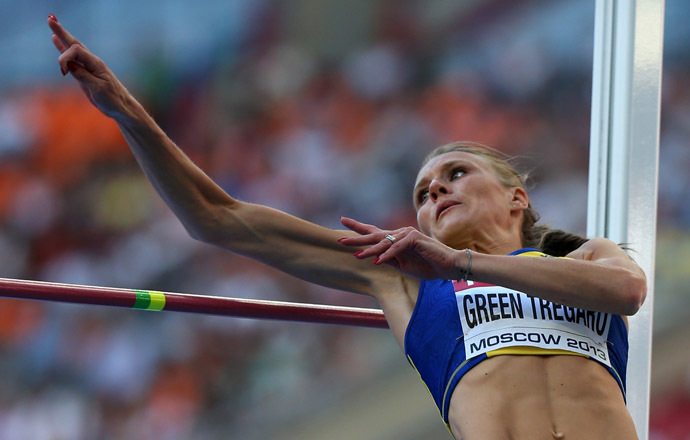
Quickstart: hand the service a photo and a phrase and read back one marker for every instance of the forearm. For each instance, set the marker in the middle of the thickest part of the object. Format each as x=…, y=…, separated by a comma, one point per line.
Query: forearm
x=186, y=189
x=576, y=283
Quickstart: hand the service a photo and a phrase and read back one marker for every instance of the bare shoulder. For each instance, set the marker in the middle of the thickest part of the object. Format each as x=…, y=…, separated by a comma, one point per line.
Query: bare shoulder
x=605, y=251
x=596, y=247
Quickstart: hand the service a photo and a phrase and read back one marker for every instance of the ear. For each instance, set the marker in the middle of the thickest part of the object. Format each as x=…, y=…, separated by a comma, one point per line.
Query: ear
x=519, y=200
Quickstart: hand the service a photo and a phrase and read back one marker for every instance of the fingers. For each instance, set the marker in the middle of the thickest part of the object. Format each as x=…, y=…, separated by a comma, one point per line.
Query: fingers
x=362, y=240
x=382, y=247
x=375, y=250
x=369, y=234
x=358, y=227
x=75, y=57
x=403, y=241
x=66, y=39
x=82, y=63
x=59, y=45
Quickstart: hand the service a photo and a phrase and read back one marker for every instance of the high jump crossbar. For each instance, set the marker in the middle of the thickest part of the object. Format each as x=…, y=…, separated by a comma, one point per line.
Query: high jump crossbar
x=182, y=302
x=624, y=159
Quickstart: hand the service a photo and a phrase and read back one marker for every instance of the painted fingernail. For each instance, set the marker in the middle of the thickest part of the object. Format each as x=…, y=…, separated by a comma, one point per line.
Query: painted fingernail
x=52, y=17
x=63, y=71
x=376, y=260
x=340, y=240
x=357, y=254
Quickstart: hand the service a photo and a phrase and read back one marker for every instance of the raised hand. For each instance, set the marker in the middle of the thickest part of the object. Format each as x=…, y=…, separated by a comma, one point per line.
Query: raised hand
x=408, y=250
x=99, y=84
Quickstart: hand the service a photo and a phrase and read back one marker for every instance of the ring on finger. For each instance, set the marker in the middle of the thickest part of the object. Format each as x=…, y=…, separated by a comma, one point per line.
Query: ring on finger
x=391, y=238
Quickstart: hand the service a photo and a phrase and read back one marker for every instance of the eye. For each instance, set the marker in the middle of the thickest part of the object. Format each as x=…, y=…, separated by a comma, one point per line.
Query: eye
x=422, y=196
x=457, y=173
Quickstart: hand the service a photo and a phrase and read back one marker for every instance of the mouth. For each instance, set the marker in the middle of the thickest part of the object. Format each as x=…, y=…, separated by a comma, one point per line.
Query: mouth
x=444, y=207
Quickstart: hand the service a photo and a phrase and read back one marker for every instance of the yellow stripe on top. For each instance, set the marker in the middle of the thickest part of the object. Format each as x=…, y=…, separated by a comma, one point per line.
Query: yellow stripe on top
x=534, y=254
x=532, y=351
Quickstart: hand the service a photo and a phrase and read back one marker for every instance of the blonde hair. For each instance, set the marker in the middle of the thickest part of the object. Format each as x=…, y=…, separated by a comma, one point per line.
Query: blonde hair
x=551, y=241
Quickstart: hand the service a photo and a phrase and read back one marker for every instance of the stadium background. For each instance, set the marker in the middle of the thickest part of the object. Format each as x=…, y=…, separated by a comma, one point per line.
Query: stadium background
x=321, y=108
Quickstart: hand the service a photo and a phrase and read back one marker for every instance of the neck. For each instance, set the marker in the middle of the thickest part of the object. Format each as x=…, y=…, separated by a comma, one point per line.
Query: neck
x=495, y=248
x=490, y=244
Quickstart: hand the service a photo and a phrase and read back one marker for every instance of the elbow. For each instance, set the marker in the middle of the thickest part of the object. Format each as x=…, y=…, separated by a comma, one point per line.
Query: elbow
x=219, y=225
x=204, y=231
x=198, y=234
x=635, y=292
x=205, y=228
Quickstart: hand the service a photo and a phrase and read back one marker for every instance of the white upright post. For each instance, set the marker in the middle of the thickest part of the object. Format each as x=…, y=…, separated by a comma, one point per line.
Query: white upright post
x=624, y=150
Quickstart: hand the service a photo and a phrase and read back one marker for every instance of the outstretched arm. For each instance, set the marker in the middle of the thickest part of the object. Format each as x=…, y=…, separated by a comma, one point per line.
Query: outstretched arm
x=207, y=212
x=596, y=276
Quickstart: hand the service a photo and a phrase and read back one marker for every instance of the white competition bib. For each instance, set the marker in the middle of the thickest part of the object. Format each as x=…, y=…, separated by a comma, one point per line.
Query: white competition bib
x=494, y=317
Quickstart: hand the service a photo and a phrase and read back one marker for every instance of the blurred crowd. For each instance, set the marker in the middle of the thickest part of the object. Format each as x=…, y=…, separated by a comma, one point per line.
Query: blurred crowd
x=279, y=125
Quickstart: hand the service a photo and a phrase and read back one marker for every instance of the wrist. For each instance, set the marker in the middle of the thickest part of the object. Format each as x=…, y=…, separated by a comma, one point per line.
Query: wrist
x=464, y=266
x=129, y=111
x=132, y=117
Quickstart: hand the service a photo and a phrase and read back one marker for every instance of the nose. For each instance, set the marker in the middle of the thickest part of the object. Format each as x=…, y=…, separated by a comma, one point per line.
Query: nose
x=436, y=188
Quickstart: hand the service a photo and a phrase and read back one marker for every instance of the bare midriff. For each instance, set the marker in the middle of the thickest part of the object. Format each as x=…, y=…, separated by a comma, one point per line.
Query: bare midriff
x=539, y=398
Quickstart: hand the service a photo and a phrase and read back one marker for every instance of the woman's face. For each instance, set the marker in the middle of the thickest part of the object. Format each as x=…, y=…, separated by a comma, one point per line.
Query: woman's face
x=458, y=196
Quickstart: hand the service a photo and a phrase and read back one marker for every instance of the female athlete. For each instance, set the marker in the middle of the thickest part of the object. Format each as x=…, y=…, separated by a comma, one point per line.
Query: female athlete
x=518, y=332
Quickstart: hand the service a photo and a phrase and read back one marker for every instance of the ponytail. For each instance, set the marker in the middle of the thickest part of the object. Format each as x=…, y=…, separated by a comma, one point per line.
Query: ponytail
x=554, y=242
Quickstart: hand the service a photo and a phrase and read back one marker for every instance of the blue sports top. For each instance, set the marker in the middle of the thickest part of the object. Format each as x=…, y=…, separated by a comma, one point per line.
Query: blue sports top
x=455, y=325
